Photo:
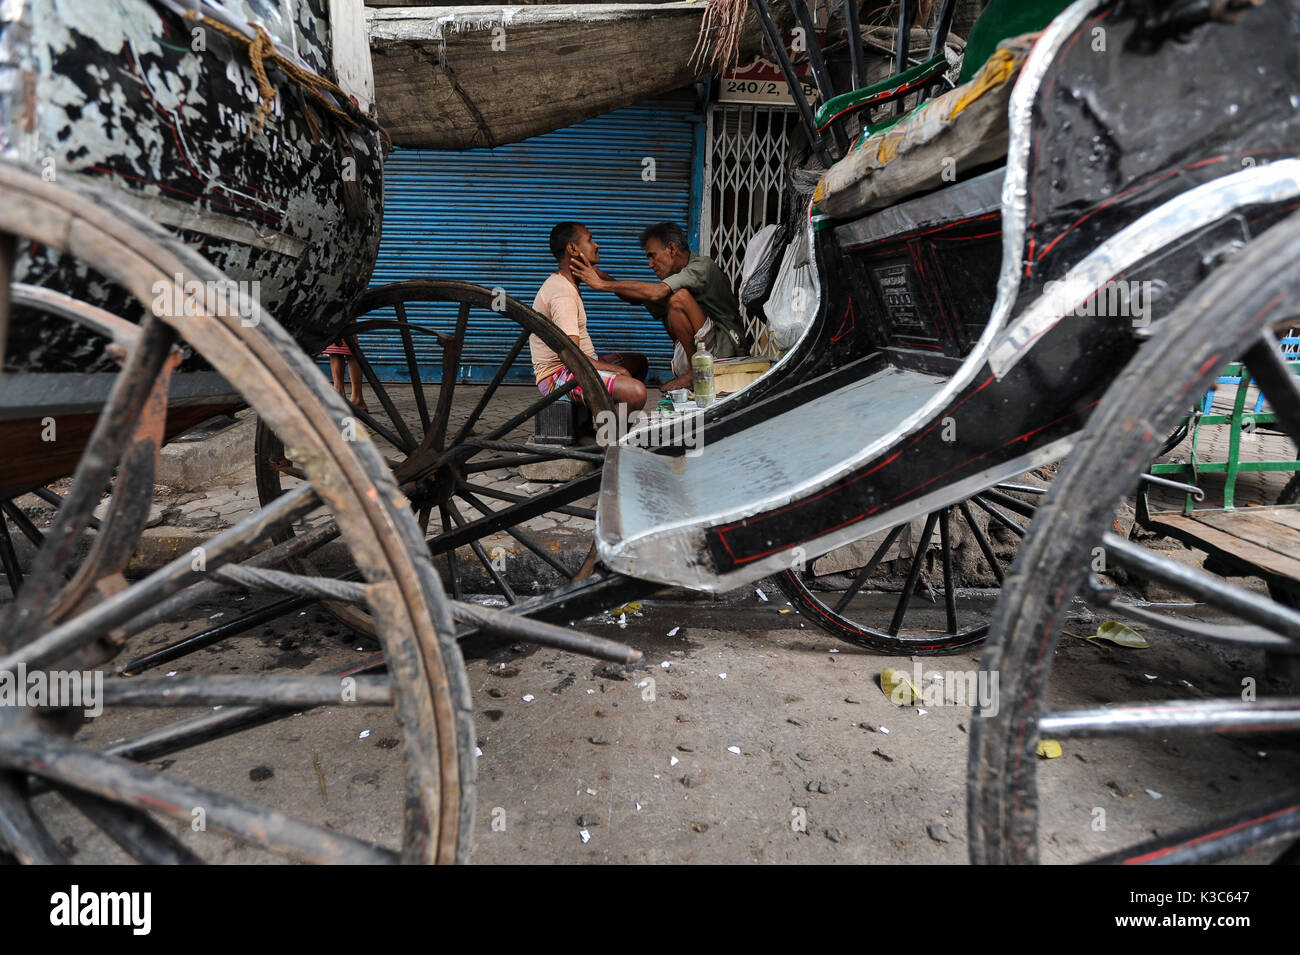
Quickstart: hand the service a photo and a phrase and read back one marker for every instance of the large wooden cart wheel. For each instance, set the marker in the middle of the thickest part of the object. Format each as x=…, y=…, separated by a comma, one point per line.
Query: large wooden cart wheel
x=1232, y=315
x=936, y=609
x=68, y=615
x=442, y=448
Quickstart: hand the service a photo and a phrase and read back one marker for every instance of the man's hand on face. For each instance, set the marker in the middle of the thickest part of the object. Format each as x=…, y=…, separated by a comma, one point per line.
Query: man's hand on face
x=584, y=271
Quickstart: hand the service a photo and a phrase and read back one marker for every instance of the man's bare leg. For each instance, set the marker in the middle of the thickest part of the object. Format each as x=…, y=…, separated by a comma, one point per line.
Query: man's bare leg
x=626, y=390
x=336, y=372
x=684, y=319
x=355, y=376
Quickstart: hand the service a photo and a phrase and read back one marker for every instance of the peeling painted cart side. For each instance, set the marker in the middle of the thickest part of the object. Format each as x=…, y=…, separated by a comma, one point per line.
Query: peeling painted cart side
x=160, y=114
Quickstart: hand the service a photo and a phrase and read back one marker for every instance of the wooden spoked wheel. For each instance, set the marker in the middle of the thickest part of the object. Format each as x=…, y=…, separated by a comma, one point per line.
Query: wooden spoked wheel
x=954, y=560
x=1233, y=315
x=73, y=612
x=451, y=447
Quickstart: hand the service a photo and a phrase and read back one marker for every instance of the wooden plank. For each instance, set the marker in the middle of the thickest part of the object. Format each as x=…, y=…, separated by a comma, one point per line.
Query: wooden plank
x=1218, y=543
x=1255, y=528
x=1289, y=516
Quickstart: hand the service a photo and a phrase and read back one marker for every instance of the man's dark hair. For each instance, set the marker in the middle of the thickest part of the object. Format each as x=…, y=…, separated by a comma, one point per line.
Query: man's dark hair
x=562, y=235
x=669, y=233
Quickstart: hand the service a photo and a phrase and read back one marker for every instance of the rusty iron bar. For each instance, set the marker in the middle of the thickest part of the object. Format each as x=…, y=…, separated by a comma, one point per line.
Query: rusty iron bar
x=205, y=590
x=547, y=634
x=299, y=585
x=595, y=457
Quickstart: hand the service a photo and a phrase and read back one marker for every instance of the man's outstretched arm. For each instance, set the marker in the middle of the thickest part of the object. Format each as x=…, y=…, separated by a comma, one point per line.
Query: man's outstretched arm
x=638, y=293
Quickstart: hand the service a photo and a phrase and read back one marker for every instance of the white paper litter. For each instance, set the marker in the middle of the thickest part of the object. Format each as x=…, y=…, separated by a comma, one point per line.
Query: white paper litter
x=622, y=621
x=216, y=615
x=832, y=650
x=921, y=712
x=1154, y=795
x=1151, y=676
x=171, y=672
x=478, y=751
x=673, y=631
x=364, y=734
x=672, y=761
x=884, y=729
x=666, y=664
x=761, y=595
x=722, y=676
x=734, y=749
x=590, y=691
x=528, y=698
x=586, y=836
x=638, y=807
x=590, y=791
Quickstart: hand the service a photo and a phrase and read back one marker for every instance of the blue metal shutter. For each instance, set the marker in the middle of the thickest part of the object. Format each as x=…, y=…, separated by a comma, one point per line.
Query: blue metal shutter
x=484, y=216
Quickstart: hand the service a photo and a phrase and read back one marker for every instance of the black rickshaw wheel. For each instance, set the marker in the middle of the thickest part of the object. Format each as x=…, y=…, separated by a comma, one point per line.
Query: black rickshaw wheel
x=1232, y=315
x=73, y=613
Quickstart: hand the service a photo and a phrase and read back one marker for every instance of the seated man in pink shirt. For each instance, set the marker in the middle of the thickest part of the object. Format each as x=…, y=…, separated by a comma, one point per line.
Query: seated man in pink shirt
x=560, y=301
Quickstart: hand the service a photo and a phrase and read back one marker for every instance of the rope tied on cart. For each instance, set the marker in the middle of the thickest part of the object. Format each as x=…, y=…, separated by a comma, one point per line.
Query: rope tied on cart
x=261, y=50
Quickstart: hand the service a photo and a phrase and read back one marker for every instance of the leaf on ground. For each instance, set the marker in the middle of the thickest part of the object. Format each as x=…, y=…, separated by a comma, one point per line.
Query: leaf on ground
x=898, y=687
x=1048, y=748
x=1120, y=635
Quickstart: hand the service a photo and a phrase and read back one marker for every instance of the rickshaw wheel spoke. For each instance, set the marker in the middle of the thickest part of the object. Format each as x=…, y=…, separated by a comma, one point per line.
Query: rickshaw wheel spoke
x=849, y=605
x=438, y=324
x=138, y=787
x=134, y=830
x=22, y=834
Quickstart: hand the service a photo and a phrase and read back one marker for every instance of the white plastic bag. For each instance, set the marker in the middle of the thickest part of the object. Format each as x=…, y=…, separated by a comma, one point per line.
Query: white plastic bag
x=793, y=302
x=756, y=251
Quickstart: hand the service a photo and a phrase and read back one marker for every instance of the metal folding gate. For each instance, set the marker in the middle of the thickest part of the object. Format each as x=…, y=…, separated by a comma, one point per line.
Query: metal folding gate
x=744, y=184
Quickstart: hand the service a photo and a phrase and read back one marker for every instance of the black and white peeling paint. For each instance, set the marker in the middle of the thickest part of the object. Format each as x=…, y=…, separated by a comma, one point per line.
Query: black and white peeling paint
x=114, y=95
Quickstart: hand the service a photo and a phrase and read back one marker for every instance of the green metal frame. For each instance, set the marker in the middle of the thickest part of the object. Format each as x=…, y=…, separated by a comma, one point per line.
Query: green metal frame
x=1238, y=420
x=882, y=92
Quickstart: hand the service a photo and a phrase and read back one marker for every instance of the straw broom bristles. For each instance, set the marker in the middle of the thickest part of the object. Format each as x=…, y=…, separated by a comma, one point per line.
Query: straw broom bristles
x=717, y=49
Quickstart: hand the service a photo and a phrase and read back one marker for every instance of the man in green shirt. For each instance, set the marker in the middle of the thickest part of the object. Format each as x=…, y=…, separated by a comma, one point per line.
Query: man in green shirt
x=693, y=299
